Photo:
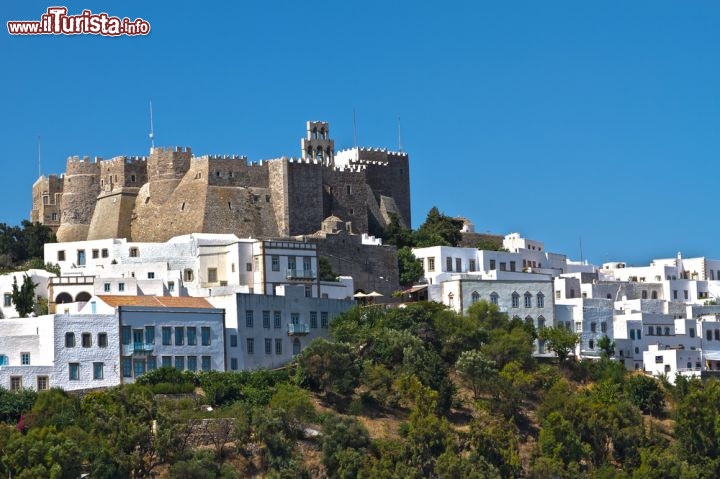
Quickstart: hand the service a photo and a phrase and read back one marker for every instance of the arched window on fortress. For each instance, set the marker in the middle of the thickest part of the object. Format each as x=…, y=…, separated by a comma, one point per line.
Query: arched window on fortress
x=319, y=153
x=475, y=297
x=314, y=133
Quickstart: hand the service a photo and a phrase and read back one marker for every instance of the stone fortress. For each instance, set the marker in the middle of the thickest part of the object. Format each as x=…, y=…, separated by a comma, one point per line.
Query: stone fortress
x=172, y=192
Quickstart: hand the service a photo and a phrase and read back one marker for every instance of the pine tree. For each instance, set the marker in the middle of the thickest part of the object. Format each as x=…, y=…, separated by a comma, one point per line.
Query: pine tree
x=23, y=297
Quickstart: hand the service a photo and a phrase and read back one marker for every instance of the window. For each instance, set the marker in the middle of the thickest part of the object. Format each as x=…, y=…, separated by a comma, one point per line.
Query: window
x=528, y=300
x=323, y=319
x=171, y=286
x=292, y=263
x=685, y=293
x=43, y=383
x=86, y=339
x=250, y=345
x=451, y=300
x=166, y=335
x=233, y=364
x=502, y=266
x=151, y=275
x=278, y=346
x=691, y=332
x=632, y=334
x=431, y=264
x=102, y=340
x=644, y=294
x=233, y=341
x=54, y=216
x=308, y=291
x=179, y=335
x=458, y=265
x=134, y=252
x=674, y=293
x=7, y=300
x=651, y=330
x=149, y=334
x=471, y=265
x=69, y=340
x=277, y=319
x=167, y=361
x=475, y=297
x=572, y=293
x=106, y=287
x=192, y=335
x=212, y=275
x=15, y=383
x=591, y=344
x=61, y=255
x=104, y=253
x=492, y=264
x=448, y=264
x=188, y=275
x=540, y=300
x=95, y=254
x=268, y=346
x=667, y=331
x=98, y=371
x=180, y=362
x=603, y=327
x=275, y=263
x=81, y=257
x=205, y=363
x=4, y=360
x=658, y=359
x=192, y=363
x=512, y=265
x=540, y=322
x=717, y=335
x=266, y=319
x=25, y=359
x=557, y=294
x=121, y=287
x=74, y=371
x=639, y=334
x=494, y=298
x=205, y=335
x=249, y=318
x=515, y=300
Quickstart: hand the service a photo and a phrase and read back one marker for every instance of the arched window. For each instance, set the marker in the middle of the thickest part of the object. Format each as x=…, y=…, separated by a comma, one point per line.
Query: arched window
x=63, y=298
x=541, y=322
x=188, y=275
x=515, y=300
x=528, y=300
x=319, y=153
x=314, y=134
x=475, y=297
x=540, y=300
x=494, y=298
x=83, y=296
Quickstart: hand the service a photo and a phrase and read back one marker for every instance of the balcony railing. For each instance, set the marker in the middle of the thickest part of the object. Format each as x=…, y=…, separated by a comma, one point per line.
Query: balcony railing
x=298, y=329
x=300, y=274
x=137, y=348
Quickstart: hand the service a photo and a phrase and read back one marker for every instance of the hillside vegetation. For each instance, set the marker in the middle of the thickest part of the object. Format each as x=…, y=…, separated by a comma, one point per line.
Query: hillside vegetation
x=401, y=393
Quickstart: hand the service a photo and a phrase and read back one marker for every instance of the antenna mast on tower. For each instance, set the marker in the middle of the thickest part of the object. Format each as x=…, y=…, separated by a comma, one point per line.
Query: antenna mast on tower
x=399, y=137
x=152, y=132
x=38, y=158
x=354, y=129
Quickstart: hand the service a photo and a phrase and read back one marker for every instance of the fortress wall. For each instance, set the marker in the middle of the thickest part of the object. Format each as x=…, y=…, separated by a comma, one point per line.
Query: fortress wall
x=80, y=190
x=123, y=171
x=345, y=196
x=391, y=178
x=113, y=214
x=234, y=171
x=278, y=186
x=46, y=199
x=165, y=168
x=304, y=197
x=245, y=212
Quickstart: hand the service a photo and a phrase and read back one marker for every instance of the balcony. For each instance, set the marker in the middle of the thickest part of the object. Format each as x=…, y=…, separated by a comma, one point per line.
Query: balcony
x=301, y=274
x=137, y=348
x=299, y=329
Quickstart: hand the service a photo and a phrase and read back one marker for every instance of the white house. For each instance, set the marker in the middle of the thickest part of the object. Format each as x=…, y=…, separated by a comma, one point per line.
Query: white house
x=40, y=277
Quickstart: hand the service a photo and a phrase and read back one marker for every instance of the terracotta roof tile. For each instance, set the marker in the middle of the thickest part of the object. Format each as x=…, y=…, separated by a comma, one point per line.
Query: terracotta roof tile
x=156, y=301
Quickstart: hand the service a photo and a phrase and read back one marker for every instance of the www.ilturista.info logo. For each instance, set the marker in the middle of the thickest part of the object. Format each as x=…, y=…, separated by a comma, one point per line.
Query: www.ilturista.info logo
x=57, y=22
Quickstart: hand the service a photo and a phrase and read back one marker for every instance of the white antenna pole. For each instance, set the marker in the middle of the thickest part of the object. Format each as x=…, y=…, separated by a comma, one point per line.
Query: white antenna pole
x=152, y=132
x=354, y=129
x=38, y=153
x=399, y=137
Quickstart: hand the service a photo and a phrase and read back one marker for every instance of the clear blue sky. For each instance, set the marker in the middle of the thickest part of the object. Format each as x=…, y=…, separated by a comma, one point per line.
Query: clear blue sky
x=556, y=119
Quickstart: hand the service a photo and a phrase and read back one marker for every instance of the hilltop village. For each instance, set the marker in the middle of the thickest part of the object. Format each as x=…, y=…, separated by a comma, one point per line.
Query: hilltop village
x=214, y=263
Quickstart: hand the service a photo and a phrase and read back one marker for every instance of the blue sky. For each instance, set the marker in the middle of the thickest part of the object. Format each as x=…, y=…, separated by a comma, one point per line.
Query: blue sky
x=556, y=119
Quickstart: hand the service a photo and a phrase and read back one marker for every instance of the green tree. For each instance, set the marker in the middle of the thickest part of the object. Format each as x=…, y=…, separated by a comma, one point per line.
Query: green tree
x=341, y=434
x=476, y=370
x=330, y=367
x=645, y=393
x=607, y=347
x=23, y=297
x=396, y=234
x=409, y=267
x=560, y=340
x=490, y=244
x=439, y=230
x=325, y=270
